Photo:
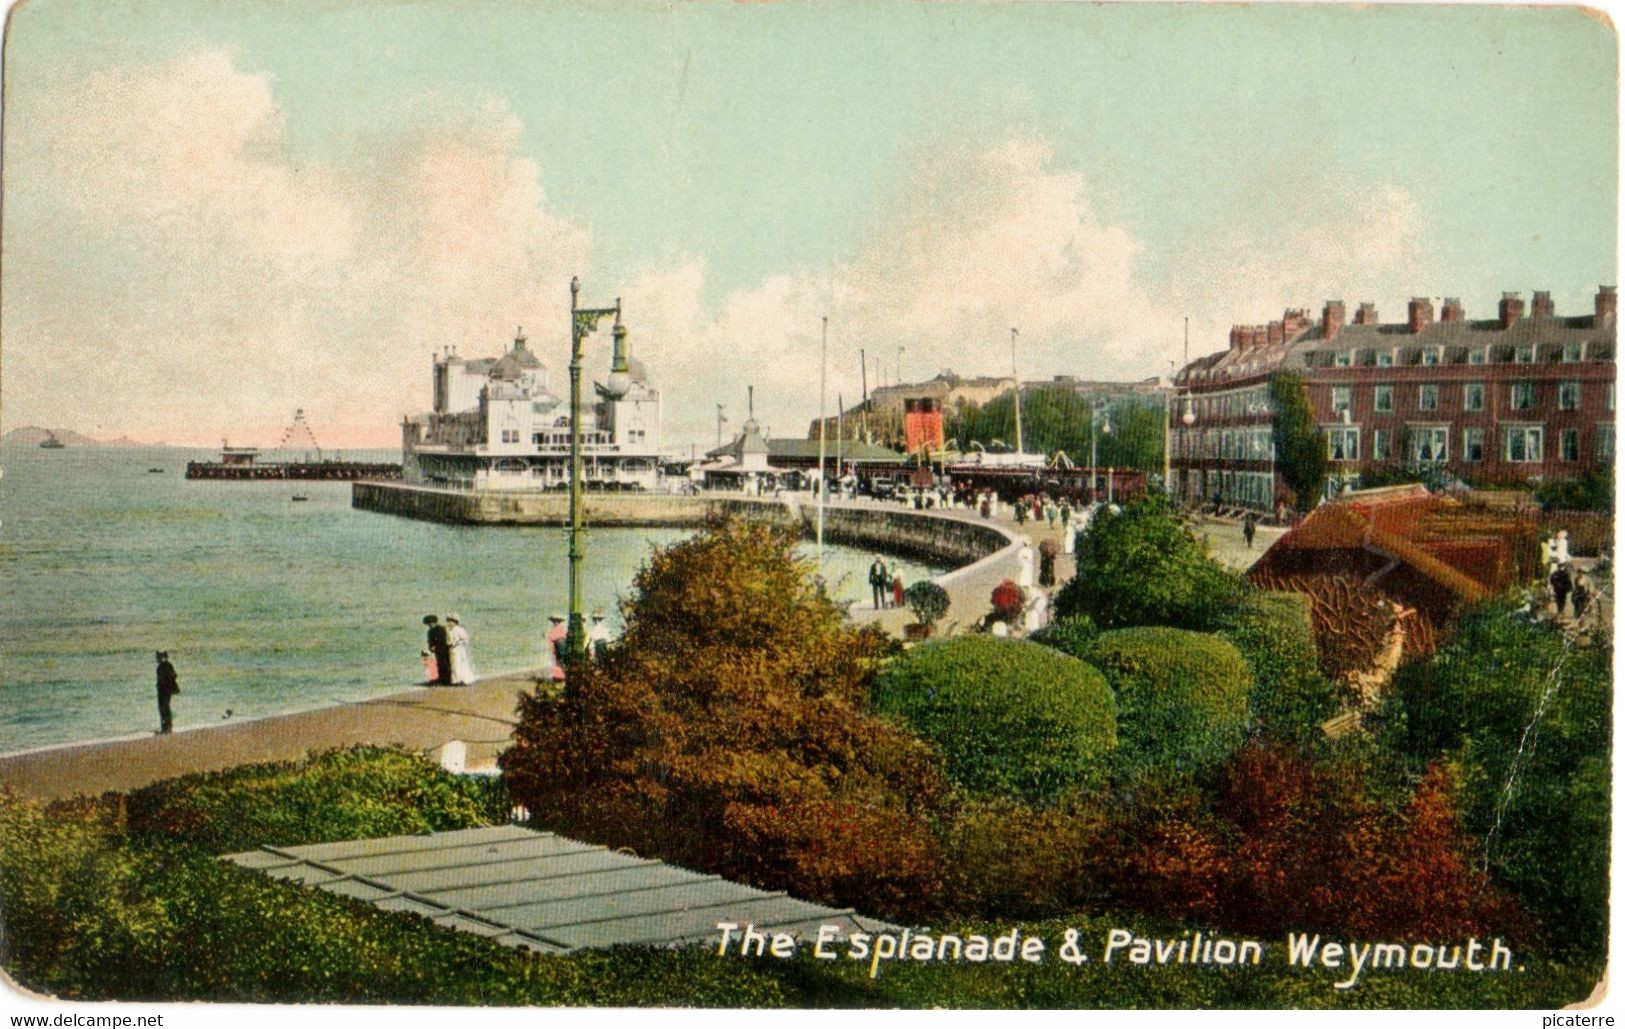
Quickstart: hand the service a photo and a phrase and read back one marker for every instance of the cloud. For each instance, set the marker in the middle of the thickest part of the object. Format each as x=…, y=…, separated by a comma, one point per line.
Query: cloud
x=177, y=271
x=977, y=241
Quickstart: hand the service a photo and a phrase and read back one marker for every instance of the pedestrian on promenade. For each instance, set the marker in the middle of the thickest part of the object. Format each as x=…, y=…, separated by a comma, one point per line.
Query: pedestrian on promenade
x=1025, y=558
x=1021, y=512
x=168, y=685
x=1249, y=528
x=897, y=589
x=462, y=654
x=1050, y=512
x=1561, y=582
x=1582, y=595
x=556, y=636
x=1218, y=499
x=879, y=582
x=1066, y=516
x=440, y=647
x=597, y=637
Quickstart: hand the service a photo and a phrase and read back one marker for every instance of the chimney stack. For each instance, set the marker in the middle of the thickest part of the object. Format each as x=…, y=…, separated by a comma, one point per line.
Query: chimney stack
x=1238, y=337
x=1260, y=335
x=1366, y=314
x=1331, y=319
x=1607, y=303
x=1452, y=310
x=1541, y=307
x=1294, y=321
x=1420, y=314
x=1511, y=309
x=1276, y=333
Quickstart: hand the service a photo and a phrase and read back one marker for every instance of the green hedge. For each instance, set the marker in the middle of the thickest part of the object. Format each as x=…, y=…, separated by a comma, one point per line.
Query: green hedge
x=1290, y=698
x=1181, y=695
x=1073, y=634
x=1012, y=718
x=335, y=795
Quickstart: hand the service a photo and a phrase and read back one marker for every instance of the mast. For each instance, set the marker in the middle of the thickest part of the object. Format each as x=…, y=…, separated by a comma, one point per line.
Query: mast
x=1017, y=377
x=823, y=483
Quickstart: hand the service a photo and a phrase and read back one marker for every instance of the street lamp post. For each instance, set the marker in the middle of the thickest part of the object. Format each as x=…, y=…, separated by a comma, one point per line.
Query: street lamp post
x=1094, y=451
x=582, y=321
x=1015, y=377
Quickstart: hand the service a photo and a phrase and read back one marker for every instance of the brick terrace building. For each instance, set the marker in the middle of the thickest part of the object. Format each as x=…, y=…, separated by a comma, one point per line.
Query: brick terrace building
x=1517, y=397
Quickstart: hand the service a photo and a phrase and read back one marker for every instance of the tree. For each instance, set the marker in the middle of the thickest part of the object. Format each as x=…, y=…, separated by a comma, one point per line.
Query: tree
x=1141, y=566
x=1300, y=443
x=729, y=730
x=1060, y=418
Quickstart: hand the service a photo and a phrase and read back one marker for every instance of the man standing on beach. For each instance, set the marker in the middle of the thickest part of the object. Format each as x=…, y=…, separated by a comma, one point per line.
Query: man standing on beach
x=440, y=647
x=168, y=686
x=879, y=582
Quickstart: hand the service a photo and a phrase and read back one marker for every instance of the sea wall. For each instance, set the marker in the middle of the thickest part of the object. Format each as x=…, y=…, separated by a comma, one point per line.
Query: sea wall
x=892, y=529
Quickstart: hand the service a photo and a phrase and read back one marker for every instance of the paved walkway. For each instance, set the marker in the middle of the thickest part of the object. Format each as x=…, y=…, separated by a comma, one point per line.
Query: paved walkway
x=482, y=715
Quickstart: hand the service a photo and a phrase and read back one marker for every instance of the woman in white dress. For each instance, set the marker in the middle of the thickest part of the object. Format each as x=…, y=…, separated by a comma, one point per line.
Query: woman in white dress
x=462, y=656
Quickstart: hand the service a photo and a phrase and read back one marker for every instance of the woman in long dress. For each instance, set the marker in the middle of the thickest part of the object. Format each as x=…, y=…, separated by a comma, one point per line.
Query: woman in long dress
x=462, y=655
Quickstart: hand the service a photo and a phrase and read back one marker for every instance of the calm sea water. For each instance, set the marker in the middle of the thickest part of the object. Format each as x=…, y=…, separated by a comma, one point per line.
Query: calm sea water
x=265, y=605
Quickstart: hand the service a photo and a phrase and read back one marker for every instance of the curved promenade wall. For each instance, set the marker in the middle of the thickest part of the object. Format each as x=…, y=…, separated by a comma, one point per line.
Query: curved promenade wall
x=932, y=537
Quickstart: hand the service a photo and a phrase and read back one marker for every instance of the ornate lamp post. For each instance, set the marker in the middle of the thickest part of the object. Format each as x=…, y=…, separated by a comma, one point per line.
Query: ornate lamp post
x=1106, y=430
x=582, y=321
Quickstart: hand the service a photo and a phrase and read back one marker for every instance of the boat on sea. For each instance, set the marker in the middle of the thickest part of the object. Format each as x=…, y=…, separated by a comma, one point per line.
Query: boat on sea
x=50, y=442
x=297, y=497
x=155, y=471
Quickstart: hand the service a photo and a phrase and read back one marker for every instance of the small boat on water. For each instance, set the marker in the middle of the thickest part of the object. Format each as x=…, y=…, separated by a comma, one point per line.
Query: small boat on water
x=50, y=442
x=155, y=471
x=297, y=497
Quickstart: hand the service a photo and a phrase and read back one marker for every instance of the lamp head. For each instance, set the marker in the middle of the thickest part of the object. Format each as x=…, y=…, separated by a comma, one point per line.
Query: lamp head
x=1189, y=417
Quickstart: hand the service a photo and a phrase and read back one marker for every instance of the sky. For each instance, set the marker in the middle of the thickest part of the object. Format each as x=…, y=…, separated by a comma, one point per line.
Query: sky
x=217, y=213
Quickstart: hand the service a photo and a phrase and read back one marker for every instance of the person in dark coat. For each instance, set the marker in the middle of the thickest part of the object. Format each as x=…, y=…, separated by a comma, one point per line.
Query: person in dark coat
x=168, y=685
x=440, y=647
x=1561, y=582
x=1582, y=596
x=1249, y=529
x=880, y=582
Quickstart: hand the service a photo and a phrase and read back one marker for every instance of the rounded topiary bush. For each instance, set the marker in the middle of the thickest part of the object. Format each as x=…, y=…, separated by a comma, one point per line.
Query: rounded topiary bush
x=1181, y=695
x=1012, y=718
x=1290, y=697
x=1074, y=634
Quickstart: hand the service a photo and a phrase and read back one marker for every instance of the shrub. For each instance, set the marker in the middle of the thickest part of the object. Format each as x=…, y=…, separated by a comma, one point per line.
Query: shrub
x=1290, y=698
x=1074, y=635
x=1008, y=600
x=1008, y=860
x=730, y=731
x=1527, y=715
x=927, y=600
x=1141, y=566
x=1593, y=492
x=336, y=795
x=1181, y=695
x=1012, y=719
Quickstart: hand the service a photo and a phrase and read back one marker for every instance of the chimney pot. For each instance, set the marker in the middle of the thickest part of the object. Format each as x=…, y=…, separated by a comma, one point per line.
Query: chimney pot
x=1420, y=314
x=1511, y=309
x=1331, y=319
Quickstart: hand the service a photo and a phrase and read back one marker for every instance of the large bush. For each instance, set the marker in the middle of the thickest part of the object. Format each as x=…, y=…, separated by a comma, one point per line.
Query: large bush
x=1012, y=718
x=1290, y=698
x=1141, y=566
x=1181, y=695
x=336, y=795
x=729, y=730
x=1527, y=714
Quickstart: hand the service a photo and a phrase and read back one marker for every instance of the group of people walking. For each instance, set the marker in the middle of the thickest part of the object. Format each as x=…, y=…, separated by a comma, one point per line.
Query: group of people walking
x=886, y=583
x=449, y=661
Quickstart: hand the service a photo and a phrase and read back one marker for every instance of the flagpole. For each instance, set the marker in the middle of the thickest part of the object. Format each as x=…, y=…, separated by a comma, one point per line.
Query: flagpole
x=823, y=483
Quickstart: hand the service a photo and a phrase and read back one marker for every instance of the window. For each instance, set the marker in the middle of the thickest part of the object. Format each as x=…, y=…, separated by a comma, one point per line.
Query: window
x=1472, y=444
x=1382, y=399
x=1430, y=355
x=1524, y=355
x=1380, y=445
x=510, y=435
x=1568, y=396
x=1572, y=352
x=1343, y=443
x=1472, y=396
x=1568, y=445
x=1340, y=359
x=1522, y=443
x=1523, y=396
x=1428, y=399
x=1430, y=444
x=1477, y=355
x=1385, y=359
x=1605, y=441
x=1340, y=399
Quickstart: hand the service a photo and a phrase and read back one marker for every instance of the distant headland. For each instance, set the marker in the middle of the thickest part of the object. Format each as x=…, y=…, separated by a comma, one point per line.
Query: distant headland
x=34, y=435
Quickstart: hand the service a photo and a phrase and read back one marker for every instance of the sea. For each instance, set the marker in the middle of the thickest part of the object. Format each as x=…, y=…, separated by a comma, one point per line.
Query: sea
x=266, y=605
